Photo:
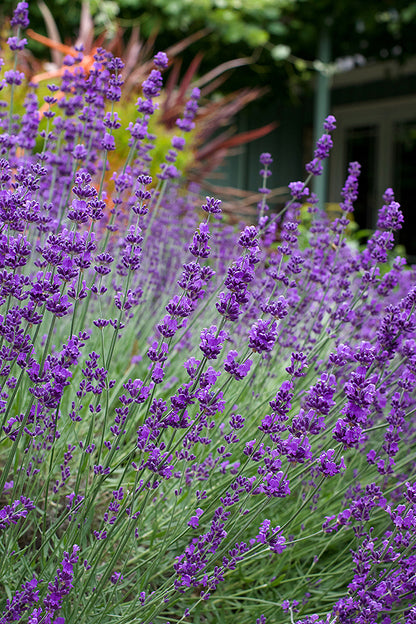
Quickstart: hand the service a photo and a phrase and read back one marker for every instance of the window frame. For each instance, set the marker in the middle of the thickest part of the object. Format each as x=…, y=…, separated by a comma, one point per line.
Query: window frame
x=382, y=113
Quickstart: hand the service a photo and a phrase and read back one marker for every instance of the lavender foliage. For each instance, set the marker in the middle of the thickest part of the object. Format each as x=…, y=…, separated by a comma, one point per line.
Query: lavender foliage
x=193, y=416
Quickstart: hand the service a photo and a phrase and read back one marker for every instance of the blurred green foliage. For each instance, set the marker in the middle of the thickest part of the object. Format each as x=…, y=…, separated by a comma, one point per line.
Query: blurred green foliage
x=281, y=35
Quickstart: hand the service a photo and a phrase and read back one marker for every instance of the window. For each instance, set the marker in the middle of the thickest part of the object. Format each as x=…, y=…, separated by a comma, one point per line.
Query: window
x=381, y=135
x=404, y=180
x=361, y=145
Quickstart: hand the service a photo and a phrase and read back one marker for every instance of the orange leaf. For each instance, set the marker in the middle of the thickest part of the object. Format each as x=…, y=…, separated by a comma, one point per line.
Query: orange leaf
x=61, y=47
x=238, y=139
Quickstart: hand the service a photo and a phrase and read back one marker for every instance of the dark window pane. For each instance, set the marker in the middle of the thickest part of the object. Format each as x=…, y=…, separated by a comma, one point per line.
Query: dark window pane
x=361, y=146
x=404, y=184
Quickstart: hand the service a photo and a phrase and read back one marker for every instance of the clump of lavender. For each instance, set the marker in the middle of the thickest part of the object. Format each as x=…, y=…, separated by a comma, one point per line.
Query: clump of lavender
x=193, y=422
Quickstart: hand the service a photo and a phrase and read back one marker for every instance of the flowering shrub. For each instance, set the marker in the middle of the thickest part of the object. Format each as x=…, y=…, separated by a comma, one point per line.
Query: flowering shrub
x=193, y=429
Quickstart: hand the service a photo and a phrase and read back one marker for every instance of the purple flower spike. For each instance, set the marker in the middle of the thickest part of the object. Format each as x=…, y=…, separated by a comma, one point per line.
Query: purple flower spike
x=350, y=189
x=323, y=147
x=186, y=124
x=248, y=238
x=14, y=77
x=153, y=85
x=390, y=216
x=314, y=167
x=263, y=336
x=199, y=247
x=330, y=123
x=11, y=514
x=299, y=191
x=21, y=15
x=21, y=601
x=108, y=143
x=178, y=143
x=161, y=60
x=265, y=158
x=228, y=306
x=211, y=344
x=116, y=577
x=212, y=206
x=194, y=521
x=16, y=44
x=62, y=584
x=236, y=370
x=275, y=485
x=327, y=466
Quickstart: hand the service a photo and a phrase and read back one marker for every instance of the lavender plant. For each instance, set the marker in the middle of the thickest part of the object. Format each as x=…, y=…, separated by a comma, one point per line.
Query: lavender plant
x=196, y=426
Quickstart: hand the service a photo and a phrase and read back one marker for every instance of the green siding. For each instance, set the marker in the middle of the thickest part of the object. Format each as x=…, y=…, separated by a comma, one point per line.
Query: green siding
x=290, y=143
x=241, y=170
x=395, y=87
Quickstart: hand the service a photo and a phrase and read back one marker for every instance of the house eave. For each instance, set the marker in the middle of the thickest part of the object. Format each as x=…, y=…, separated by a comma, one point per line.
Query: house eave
x=374, y=72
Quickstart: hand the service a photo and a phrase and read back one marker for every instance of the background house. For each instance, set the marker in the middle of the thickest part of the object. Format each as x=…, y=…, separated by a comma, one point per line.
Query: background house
x=375, y=108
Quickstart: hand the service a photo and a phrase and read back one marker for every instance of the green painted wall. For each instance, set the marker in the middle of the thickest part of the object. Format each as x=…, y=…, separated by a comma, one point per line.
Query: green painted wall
x=285, y=143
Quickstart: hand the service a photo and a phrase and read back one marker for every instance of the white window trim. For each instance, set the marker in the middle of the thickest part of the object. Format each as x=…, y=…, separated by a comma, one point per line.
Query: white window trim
x=382, y=113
